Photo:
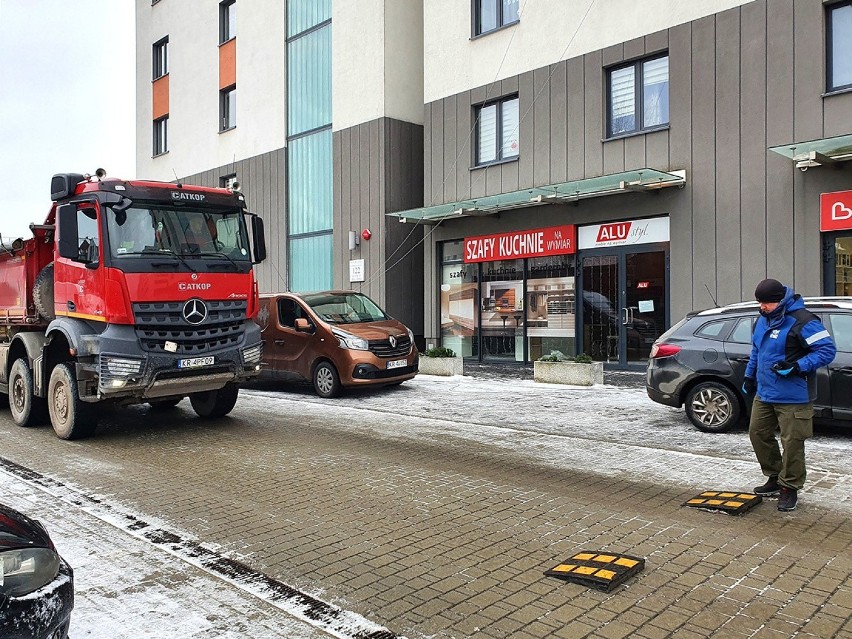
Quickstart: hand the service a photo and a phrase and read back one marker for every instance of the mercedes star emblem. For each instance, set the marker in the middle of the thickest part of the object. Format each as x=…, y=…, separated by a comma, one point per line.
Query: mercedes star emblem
x=195, y=311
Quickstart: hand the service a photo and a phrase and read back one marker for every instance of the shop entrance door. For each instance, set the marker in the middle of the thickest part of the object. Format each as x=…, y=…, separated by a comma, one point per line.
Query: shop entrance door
x=625, y=303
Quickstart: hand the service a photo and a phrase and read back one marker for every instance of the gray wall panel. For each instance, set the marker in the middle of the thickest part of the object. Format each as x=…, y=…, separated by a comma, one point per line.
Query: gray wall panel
x=656, y=148
x=704, y=246
x=809, y=74
x=779, y=130
x=464, y=153
x=635, y=153
x=558, y=123
x=838, y=114
x=540, y=112
x=526, y=91
x=576, y=119
x=753, y=145
x=728, y=221
x=656, y=42
x=594, y=125
x=428, y=134
x=634, y=48
x=453, y=145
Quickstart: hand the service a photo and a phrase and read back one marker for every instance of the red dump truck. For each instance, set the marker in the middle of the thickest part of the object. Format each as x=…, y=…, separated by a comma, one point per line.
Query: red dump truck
x=129, y=292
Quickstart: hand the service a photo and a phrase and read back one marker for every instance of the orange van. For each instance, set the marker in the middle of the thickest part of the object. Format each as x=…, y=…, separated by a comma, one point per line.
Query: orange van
x=334, y=339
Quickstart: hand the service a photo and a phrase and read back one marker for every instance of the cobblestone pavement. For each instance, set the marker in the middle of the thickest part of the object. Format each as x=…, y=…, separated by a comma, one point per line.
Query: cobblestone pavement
x=434, y=508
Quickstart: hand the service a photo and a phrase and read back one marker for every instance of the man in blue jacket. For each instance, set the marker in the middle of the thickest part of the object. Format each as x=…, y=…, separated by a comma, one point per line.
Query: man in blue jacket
x=788, y=345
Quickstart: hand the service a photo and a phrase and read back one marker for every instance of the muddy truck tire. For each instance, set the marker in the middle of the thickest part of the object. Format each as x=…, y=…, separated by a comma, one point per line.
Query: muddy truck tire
x=43, y=293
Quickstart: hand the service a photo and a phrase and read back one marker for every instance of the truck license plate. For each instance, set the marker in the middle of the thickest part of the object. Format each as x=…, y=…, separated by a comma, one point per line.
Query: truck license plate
x=397, y=363
x=195, y=362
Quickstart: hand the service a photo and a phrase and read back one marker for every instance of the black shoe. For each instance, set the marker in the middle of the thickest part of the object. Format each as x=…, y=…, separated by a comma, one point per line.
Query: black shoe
x=771, y=487
x=789, y=498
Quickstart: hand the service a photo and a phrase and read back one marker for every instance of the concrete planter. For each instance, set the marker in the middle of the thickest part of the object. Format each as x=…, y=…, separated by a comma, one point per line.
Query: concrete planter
x=568, y=373
x=446, y=366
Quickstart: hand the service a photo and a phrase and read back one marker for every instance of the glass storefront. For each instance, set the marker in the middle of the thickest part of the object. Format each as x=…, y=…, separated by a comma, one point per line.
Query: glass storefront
x=507, y=310
x=843, y=265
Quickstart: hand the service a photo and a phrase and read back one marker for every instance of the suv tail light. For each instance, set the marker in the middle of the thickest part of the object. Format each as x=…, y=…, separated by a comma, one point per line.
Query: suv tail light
x=664, y=350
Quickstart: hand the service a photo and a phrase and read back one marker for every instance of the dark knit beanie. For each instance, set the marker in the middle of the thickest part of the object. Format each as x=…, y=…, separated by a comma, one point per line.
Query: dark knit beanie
x=770, y=291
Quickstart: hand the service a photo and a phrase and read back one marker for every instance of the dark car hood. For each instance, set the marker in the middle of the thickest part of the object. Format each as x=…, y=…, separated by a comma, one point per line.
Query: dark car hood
x=19, y=531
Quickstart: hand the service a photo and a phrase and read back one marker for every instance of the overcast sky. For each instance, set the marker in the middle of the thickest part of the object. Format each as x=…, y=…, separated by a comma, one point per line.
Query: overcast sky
x=68, y=101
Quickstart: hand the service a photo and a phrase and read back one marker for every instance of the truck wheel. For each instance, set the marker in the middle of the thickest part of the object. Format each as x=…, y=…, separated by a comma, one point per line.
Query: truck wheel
x=71, y=417
x=26, y=408
x=326, y=380
x=217, y=403
x=43, y=293
x=165, y=404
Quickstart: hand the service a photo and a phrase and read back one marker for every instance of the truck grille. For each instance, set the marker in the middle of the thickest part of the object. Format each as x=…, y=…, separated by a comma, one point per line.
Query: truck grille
x=159, y=322
x=384, y=349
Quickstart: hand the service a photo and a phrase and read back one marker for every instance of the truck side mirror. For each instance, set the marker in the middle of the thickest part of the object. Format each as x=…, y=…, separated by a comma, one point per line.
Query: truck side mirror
x=258, y=238
x=66, y=217
x=303, y=325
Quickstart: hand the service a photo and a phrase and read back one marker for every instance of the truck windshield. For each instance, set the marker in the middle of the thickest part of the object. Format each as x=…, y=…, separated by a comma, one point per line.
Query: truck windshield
x=344, y=308
x=184, y=231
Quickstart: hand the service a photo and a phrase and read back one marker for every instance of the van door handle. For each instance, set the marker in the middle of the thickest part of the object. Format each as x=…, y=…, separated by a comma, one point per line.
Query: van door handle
x=741, y=359
x=279, y=342
x=844, y=369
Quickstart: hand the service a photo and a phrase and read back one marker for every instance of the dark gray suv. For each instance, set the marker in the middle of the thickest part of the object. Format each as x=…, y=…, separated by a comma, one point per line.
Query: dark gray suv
x=699, y=363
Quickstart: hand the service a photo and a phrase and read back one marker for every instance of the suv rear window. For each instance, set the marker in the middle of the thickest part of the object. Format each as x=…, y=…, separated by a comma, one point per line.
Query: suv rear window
x=673, y=329
x=742, y=331
x=714, y=330
x=841, y=329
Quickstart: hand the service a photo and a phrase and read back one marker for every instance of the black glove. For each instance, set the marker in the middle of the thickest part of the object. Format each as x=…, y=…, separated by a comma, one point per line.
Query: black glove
x=749, y=386
x=785, y=368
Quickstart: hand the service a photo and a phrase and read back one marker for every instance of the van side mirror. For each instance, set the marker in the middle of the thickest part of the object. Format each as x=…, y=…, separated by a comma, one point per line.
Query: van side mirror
x=303, y=325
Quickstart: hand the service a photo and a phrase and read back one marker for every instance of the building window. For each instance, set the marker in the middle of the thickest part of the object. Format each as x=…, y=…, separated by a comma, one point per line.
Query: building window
x=493, y=14
x=497, y=131
x=227, y=20
x=228, y=108
x=161, y=58
x=638, y=96
x=161, y=135
x=839, y=46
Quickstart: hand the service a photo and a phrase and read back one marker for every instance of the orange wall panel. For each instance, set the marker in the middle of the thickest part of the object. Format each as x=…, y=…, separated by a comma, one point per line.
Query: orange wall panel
x=160, y=97
x=228, y=64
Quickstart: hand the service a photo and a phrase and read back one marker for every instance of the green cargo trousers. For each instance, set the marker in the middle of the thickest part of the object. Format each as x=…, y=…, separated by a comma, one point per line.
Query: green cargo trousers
x=796, y=424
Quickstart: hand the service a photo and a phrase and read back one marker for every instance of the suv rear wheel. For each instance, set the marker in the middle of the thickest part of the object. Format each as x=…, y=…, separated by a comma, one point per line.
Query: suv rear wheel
x=712, y=407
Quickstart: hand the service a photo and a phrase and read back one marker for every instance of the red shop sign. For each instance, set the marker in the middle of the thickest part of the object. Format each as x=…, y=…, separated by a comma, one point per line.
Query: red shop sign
x=554, y=240
x=835, y=211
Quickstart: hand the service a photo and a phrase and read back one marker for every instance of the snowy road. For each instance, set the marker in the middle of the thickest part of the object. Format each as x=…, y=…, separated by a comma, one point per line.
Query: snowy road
x=128, y=586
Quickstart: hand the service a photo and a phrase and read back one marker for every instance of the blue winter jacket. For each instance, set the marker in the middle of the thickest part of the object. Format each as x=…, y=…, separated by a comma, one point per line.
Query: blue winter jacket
x=791, y=333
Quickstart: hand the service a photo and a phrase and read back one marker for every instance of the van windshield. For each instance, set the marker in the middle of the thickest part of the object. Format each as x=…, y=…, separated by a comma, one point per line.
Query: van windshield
x=344, y=308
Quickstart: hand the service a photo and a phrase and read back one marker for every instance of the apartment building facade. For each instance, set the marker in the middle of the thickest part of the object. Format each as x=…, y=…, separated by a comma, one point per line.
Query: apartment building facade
x=542, y=175
x=321, y=126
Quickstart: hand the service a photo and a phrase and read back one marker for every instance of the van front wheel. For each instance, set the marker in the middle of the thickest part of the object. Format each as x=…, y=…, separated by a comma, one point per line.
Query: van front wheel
x=326, y=380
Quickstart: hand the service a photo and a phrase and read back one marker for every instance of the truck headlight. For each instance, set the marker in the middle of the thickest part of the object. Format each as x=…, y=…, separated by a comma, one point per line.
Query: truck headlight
x=25, y=570
x=350, y=341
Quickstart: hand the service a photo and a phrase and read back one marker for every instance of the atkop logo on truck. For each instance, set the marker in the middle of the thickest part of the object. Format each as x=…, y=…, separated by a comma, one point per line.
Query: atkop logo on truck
x=194, y=286
x=194, y=197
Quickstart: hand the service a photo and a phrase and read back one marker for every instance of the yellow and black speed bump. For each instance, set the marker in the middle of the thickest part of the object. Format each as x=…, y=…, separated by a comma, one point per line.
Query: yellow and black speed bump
x=733, y=503
x=600, y=570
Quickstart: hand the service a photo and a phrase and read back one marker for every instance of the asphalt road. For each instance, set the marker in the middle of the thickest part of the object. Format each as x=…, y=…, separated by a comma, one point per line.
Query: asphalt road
x=433, y=509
